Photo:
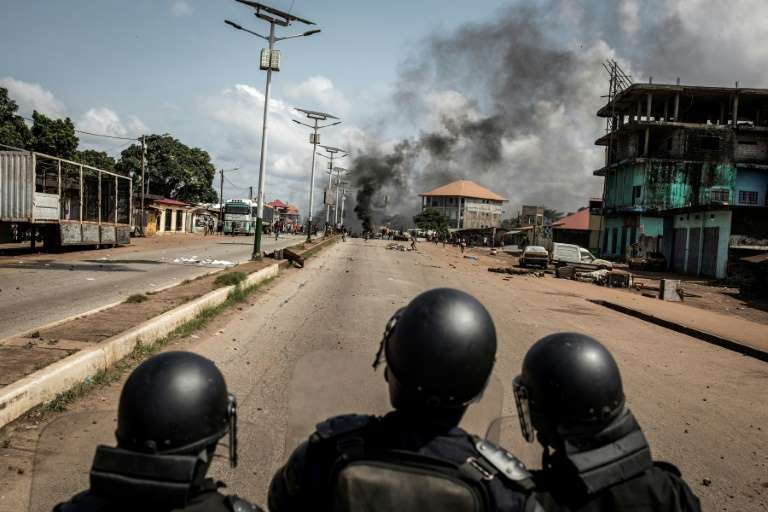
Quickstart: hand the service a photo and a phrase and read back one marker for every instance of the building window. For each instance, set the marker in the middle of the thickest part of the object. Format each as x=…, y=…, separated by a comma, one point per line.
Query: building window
x=720, y=195
x=179, y=218
x=637, y=191
x=168, y=220
x=748, y=197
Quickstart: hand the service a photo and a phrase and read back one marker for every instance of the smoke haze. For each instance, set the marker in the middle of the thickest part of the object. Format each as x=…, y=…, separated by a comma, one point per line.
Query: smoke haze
x=510, y=102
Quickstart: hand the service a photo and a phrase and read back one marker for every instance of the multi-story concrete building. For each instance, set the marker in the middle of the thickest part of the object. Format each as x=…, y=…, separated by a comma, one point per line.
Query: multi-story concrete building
x=688, y=165
x=465, y=204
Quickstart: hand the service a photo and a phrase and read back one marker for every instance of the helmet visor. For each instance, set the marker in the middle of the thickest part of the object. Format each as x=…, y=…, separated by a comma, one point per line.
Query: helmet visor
x=523, y=409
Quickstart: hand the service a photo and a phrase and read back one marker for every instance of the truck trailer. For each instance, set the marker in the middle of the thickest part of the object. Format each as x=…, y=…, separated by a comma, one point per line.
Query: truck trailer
x=65, y=202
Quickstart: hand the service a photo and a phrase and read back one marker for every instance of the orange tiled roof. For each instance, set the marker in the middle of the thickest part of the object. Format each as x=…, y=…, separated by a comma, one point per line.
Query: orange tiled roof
x=464, y=188
x=578, y=220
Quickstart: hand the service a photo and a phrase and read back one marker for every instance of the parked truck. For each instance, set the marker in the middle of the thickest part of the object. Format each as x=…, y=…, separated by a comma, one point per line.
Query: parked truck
x=63, y=202
x=574, y=255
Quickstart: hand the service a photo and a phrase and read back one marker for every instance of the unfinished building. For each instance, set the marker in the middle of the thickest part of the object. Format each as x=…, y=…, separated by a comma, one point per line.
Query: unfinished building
x=686, y=166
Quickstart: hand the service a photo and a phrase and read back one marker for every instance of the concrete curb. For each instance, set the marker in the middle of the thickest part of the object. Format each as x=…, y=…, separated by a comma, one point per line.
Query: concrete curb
x=43, y=385
x=709, y=337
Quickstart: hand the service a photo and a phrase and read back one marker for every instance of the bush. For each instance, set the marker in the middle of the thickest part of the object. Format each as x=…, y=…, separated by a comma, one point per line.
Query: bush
x=230, y=279
x=136, y=298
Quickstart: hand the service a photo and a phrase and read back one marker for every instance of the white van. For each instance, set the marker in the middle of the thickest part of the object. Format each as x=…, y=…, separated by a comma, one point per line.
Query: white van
x=571, y=254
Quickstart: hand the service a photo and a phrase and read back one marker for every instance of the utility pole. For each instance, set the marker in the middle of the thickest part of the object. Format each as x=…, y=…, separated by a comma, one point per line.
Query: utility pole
x=221, y=196
x=270, y=61
x=143, y=185
x=314, y=139
x=339, y=171
x=250, y=193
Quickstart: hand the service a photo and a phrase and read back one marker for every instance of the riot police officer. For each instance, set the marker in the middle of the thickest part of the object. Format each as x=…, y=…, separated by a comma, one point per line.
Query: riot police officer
x=173, y=410
x=570, y=397
x=439, y=351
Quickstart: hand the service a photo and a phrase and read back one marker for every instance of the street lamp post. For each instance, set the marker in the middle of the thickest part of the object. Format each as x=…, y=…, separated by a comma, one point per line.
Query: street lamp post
x=339, y=172
x=270, y=61
x=314, y=139
x=332, y=152
x=340, y=218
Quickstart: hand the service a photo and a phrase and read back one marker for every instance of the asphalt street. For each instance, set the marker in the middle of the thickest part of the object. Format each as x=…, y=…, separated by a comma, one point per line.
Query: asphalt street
x=303, y=348
x=36, y=290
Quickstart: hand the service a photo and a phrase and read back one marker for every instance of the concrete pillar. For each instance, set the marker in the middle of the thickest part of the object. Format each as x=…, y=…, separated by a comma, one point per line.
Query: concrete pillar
x=666, y=109
x=647, y=137
x=677, y=105
x=648, y=100
x=735, y=109
x=639, y=110
x=162, y=221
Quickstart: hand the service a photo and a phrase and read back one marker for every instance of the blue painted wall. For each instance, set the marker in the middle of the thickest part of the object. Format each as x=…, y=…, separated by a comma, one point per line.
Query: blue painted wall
x=752, y=179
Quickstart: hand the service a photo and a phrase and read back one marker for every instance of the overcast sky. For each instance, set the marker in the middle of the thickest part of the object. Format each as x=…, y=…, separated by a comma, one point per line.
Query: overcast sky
x=156, y=66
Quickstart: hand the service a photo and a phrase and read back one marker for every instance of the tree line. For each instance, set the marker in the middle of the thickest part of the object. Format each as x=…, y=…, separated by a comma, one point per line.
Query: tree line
x=173, y=169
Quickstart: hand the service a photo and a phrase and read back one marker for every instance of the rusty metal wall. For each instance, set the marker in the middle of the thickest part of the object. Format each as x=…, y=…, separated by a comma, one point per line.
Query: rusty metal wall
x=16, y=186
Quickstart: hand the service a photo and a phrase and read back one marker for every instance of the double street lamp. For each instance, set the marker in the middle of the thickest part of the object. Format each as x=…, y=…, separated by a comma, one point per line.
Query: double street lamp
x=332, y=152
x=314, y=139
x=270, y=61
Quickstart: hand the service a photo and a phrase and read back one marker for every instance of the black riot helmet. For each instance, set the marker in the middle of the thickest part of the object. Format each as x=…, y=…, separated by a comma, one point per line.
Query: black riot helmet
x=439, y=350
x=176, y=403
x=569, y=388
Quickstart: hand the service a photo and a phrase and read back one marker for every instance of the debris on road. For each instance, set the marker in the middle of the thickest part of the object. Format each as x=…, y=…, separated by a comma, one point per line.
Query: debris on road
x=194, y=260
x=396, y=247
x=516, y=271
x=470, y=257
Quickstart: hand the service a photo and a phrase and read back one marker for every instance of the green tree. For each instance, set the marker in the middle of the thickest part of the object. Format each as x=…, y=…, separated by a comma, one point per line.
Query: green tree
x=55, y=137
x=174, y=170
x=553, y=214
x=13, y=130
x=98, y=159
x=430, y=218
x=510, y=223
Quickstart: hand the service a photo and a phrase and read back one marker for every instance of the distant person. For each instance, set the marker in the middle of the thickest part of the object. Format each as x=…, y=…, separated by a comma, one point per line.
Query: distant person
x=462, y=244
x=570, y=398
x=413, y=243
x=173, y=410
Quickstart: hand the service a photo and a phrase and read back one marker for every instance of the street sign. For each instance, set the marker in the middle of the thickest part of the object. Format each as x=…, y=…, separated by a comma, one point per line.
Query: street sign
x=328, y=197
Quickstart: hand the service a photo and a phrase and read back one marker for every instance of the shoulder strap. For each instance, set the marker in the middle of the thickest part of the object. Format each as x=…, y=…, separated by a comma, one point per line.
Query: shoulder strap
x=503, y=464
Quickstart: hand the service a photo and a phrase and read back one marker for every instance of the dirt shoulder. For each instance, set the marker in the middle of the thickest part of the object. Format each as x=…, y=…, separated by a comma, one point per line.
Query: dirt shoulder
x=705, y=294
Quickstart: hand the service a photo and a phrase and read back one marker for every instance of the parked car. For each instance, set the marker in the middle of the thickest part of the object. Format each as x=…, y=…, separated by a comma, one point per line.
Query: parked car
x=571, y=254
x=649, y=261
x=534, y=255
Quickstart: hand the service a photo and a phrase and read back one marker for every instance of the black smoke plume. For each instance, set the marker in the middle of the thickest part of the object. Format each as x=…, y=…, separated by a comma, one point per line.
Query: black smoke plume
x=510, y=103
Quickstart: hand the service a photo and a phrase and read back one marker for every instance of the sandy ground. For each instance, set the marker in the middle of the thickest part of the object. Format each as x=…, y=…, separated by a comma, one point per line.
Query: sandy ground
x=302, y=350
x=37, y=289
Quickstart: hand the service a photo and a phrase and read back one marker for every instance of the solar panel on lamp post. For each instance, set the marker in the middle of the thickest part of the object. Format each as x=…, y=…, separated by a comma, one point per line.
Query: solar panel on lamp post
x=270, y=61
x=314, y=139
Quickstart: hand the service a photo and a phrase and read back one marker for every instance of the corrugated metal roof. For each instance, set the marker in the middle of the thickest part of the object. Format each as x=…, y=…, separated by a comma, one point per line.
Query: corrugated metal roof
x=464, y=188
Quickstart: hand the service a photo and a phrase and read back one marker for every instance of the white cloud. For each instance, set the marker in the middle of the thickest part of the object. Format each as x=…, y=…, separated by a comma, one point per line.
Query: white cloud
x=181, y=8
x=106, y=121
x=318, y=93
x=32, y=96
x=233, y=121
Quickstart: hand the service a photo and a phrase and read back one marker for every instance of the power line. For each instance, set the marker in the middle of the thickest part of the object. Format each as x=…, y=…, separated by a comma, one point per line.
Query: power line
x=91, y=133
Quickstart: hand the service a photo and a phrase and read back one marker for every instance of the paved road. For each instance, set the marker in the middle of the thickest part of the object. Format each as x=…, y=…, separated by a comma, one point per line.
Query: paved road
x=35, y=290
x=303, y=349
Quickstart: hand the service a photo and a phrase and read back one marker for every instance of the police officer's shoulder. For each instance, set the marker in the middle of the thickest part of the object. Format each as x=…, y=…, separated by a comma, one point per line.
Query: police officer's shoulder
x=238, y=504
x=341, y=425
x=504, y=464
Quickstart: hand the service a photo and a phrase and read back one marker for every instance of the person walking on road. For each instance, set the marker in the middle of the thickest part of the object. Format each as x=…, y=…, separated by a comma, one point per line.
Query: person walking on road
x=439, y=352
x=570, y=398
x=173, y=410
